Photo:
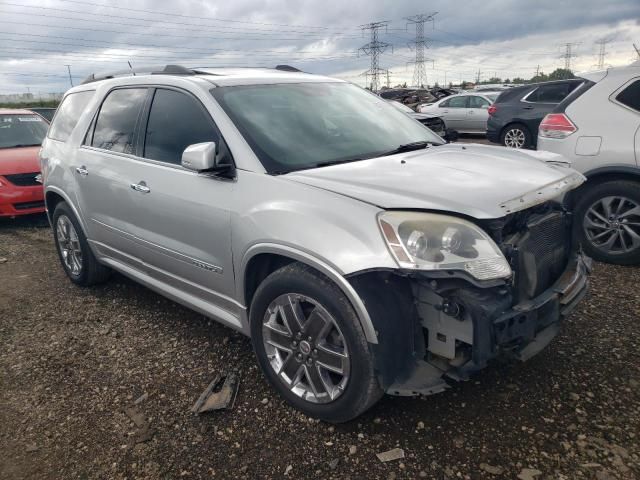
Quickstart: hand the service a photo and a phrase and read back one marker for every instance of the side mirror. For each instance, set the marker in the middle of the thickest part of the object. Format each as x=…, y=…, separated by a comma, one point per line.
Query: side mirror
x=451, y=135
x=199, y=156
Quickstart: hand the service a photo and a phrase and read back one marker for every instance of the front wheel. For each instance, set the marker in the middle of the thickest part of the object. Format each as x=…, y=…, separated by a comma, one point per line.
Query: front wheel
x=516, y=136
x=310, y=345
x=608, y=222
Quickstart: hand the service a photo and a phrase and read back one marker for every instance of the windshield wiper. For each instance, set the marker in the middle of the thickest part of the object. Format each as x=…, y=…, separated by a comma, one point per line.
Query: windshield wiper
x=407, y=147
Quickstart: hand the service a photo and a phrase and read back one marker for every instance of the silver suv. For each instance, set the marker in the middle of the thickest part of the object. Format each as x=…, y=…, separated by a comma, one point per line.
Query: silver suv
x=360, y=253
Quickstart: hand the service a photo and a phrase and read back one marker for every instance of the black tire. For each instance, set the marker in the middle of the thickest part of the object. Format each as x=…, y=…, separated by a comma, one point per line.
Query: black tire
x=362, y=389
x=91, y=272
x=512, y=128
x=590, y=195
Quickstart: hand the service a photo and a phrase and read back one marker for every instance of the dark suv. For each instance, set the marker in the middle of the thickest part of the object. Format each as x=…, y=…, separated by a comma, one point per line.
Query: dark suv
x=517, y=112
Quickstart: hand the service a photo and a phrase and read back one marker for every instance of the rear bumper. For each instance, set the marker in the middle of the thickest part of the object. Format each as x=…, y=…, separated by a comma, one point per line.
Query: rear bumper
x=15, y=201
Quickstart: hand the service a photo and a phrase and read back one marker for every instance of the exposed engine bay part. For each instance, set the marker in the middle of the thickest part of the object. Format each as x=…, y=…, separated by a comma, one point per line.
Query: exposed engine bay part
x=433, y=327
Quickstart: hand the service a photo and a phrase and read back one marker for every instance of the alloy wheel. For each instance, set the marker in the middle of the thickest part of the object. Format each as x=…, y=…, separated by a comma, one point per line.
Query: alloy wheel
x=514, y=138
x=612, y=224
x=69, y=245
x=306, y=348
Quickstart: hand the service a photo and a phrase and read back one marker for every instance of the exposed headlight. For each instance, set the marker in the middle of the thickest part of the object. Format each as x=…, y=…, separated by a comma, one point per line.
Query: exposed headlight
x=428, y=241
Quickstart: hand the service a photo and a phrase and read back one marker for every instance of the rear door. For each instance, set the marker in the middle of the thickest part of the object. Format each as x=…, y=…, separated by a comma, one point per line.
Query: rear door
x=541, y=101
x=454, y=112
x=102, y=171
x=184, y=227
x=477, y=113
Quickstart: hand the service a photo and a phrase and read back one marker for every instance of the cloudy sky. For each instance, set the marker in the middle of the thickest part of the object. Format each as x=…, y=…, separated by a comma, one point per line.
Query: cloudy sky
x=498, y=37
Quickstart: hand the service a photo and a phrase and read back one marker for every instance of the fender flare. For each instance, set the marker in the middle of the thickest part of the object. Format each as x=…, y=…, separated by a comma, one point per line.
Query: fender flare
x=65, y=197
x=322, y=266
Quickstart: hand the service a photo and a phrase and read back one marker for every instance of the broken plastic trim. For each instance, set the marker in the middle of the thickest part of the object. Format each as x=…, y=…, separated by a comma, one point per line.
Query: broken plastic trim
x=542, y=194
x=223, y=398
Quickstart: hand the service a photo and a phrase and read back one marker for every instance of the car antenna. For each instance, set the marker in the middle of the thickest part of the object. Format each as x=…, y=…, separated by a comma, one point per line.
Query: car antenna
x=134, y=73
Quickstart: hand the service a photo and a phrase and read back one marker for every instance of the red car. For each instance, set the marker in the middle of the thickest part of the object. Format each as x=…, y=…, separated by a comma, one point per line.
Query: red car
x=21, y=133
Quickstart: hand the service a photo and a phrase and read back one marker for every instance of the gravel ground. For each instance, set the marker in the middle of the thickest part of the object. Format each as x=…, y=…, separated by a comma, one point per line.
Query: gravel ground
x=73, y=360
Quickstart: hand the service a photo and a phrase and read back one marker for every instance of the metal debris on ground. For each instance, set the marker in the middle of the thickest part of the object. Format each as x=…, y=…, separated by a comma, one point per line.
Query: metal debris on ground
x=393, y=454
x=220, y=394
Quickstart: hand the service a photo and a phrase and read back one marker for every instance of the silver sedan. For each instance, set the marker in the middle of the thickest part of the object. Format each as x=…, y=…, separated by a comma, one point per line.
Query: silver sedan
x=465, y=112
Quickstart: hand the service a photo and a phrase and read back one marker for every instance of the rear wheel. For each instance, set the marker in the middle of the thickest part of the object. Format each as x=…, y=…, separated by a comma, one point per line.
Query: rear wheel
x=76, y=256
x=310, y=345
x=516, y=136
x=608, y=222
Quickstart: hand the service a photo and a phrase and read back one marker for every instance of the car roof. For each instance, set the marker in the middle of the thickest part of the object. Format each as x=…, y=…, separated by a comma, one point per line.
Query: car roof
x=218, y=76
x=16, y=111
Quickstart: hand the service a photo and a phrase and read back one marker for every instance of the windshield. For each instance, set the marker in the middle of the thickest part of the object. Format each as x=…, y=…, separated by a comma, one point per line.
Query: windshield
x=22, y=130
x=306, y=125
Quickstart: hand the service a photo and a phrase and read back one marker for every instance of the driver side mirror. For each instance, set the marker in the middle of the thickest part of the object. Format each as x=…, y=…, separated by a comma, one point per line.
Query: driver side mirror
x=204, y=157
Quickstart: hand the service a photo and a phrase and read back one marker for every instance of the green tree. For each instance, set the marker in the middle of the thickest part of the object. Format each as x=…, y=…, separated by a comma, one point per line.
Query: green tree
x=561, y=74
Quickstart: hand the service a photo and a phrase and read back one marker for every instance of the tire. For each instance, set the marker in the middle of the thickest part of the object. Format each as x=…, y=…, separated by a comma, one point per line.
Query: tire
x=591, y=220
x=319, y=302
x=75, y=255
x=515, y=135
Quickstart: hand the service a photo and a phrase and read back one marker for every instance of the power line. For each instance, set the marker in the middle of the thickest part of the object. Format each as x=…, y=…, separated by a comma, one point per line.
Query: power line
x=636, y=49
x=420, y=44
x=69, y=70
x=373, y=49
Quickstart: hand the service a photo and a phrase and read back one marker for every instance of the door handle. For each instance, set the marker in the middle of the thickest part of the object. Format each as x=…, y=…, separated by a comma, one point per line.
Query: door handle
x=140, y=187
x=82, y=171
x=528, y=107
x=470, y=112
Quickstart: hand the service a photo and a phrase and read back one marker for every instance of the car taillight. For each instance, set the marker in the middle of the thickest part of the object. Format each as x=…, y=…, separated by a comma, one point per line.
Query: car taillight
x=556, y=125
x=492, y=109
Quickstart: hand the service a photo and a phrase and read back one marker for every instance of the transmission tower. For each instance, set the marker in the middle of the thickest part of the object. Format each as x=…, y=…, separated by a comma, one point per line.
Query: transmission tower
x=602, y=53
x=420, y=44
x=373, y=49
x=636, y=49
x=568, y=54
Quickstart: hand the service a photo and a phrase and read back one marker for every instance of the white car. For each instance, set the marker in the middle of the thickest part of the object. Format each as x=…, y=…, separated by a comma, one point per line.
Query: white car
x=597, y=127
x=464, y=112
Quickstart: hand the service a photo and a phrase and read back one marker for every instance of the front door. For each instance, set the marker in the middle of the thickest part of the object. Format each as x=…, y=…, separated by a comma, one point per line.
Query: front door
x=454, y=112
x=477, y=114
x=185, y=228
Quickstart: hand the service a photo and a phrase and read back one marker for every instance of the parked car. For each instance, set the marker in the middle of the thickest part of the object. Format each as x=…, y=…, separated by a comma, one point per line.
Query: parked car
x=597, y=127
x=46, y=113
x=516, y=113
x=360, y=253
x=21, y=133
x=464, y=112
x=432, y=121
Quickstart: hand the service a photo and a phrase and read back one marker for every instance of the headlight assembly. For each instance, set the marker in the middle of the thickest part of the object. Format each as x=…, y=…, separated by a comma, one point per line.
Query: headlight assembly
x=428, y=241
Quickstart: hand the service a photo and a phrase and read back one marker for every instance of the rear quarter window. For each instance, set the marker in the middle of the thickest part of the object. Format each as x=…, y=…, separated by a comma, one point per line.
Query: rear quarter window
x=68, y=114
x=630, y=96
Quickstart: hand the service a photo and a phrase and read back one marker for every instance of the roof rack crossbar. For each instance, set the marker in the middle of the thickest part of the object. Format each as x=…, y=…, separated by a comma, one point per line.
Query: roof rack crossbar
x=161, y=70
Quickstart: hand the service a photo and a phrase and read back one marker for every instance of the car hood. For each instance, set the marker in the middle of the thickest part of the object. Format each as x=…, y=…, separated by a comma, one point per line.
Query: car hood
x=479, y=181
x=19, y=160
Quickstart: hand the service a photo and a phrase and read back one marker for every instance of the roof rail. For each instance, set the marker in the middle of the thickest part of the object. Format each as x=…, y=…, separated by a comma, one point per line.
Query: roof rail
x=287, y=68
x=161, y=70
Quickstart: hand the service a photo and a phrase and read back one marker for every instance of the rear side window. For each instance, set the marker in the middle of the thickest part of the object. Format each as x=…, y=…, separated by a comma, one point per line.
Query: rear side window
x=554, y=93
x=478, y=102
x=68, y=115
x=117, y=120
x=630, y=96
x=176, y=120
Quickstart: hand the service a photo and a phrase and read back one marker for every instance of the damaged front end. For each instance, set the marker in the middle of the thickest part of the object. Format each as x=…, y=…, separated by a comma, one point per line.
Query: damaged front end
x=438, y=325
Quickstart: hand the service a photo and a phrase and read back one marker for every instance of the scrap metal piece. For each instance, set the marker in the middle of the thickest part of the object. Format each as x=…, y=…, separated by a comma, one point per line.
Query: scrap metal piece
x=223, y=398
x=390, y=455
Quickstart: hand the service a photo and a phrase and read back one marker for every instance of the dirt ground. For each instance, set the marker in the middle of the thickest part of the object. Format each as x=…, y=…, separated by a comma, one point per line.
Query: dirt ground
x=73, y=361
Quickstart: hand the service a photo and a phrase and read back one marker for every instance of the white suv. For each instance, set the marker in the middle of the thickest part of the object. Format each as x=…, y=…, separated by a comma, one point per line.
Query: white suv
x=597, y=127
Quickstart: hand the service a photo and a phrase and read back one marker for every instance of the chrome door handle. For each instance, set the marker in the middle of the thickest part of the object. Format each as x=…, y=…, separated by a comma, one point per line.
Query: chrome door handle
x=140, y=187
x=82, y=171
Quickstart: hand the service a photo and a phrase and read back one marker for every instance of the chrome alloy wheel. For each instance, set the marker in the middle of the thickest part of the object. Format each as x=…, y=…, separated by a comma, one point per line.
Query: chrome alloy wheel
x=69, y=245
x=612, y=224
x=514, y=138
x=306, y=348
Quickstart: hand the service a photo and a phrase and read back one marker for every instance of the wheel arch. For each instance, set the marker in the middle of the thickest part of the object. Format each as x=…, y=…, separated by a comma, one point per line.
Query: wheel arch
x=261, y=260
x=602, y=175
x=52, y=197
